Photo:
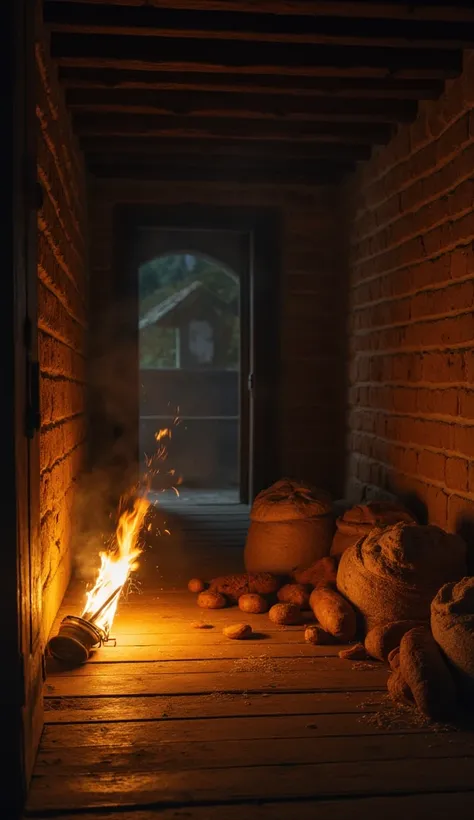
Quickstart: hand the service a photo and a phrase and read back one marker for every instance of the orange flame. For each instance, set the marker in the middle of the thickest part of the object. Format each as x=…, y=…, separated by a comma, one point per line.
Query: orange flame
x=116, y=565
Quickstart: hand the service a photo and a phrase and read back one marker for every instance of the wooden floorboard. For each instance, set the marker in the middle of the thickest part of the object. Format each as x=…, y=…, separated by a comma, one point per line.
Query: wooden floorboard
x=177, y=722
x=412, y=807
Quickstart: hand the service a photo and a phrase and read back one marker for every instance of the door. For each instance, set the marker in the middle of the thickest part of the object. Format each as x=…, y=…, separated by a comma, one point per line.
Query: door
x=20, y=592
x=259, y=379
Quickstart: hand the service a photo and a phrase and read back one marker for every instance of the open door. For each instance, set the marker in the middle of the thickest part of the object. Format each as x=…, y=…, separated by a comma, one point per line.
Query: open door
x=20, y=590
x=141, y=231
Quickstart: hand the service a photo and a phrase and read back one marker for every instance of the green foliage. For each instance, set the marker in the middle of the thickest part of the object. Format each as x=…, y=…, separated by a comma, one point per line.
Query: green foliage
x=160, y=278
x=158, y=347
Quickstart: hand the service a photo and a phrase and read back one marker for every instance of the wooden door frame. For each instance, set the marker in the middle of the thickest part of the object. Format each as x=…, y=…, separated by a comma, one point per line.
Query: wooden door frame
x=259, y=446
x=20, y=591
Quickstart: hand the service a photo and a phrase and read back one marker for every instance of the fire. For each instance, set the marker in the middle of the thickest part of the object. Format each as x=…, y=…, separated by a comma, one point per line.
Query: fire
x=117, y=564
x=115, y=567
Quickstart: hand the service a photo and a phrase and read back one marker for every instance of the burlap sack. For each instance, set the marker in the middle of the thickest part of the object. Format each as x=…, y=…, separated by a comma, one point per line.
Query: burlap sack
x=427, y=675
x=393, y=573
x=291, y=525
x=361, y=519
x=452, y=624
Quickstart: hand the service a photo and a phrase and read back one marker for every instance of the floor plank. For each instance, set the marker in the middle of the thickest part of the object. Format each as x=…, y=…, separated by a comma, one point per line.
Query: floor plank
x=419, y=806
x=220, y=729
x=201, y=683
x=103, y=709
x=194, y=753
x=262, y=664
x=250, y=783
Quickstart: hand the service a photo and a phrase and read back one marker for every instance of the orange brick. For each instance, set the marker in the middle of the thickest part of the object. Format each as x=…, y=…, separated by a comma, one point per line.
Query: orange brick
x=457, y=474
x=432, y=465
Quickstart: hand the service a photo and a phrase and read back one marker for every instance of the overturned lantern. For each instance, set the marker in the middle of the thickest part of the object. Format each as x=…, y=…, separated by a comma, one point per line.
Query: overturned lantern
x=78, y=636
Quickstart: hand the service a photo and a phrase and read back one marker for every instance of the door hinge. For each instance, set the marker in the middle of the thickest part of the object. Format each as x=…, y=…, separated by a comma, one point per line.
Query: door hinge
x=250, y=382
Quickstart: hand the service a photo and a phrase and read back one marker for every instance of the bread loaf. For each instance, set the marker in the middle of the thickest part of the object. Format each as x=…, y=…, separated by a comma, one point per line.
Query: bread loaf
x=285, y=614
x=294, y=594
x=233, y=586
x=333, y=613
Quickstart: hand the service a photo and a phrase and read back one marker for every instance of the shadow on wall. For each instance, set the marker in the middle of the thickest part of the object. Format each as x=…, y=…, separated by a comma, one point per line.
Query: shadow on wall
x=113, y=379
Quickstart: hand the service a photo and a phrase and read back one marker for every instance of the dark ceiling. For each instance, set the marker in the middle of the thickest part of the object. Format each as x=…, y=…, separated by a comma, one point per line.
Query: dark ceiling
x=269, y=91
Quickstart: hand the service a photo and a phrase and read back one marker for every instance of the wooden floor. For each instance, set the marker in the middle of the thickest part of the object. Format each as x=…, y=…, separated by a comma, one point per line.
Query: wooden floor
x=179, y=722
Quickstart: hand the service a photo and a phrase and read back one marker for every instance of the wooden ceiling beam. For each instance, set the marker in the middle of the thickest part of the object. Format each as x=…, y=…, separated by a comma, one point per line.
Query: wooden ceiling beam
x=348, y=88
x=232, y=150
x=243, y=106
x=162, y=22
x=448, y=11
x=149, y=125
x=116, y=168
x=256, y=58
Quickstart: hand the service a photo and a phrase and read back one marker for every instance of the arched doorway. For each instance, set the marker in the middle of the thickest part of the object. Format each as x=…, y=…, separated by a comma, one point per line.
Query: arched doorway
x=244, y=241
x=190, y=354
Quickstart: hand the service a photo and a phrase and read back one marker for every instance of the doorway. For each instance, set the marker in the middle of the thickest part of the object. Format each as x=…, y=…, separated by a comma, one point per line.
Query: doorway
x=242, y=243
x=193, y=348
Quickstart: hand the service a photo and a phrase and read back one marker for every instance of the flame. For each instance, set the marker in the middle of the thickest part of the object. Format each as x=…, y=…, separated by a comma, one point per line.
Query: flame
x=116, y=565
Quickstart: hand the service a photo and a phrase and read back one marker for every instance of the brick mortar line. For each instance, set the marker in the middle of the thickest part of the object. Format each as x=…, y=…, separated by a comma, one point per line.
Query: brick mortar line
x=61, y=421
x=424, y=144
x=48, y=282
x=53, y=335
x=54, y=377
x=452, y=421
x=394, y=351
x=411, y=386
x=418, y=448
x=417, y=261
x=435, y=286
x=68, y=194
x=63, y=458
x=69, y=315
x=72, y=148
x=44, y=179
x=409, y=237
x=45, y=74
x=430, y=482
x=423, y=202
x=415, y=385
x=430, y=318
x=456, y=421
x=45, y=228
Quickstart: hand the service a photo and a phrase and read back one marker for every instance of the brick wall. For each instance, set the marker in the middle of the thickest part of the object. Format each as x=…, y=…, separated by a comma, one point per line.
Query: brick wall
x=312, y=338
x=411, y=322
x=62, y=329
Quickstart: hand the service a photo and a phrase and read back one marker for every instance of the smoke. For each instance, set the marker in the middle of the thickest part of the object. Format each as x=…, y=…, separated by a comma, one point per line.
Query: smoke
x=112, y=467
